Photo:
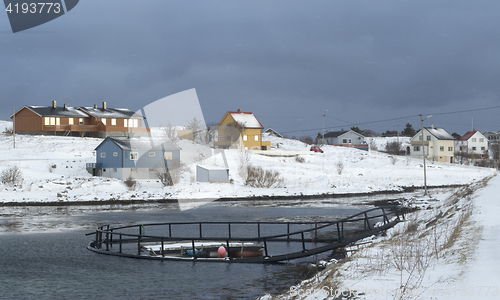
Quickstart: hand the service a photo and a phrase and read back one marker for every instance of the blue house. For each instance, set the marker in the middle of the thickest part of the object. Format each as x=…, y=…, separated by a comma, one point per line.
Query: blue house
x=140, y=158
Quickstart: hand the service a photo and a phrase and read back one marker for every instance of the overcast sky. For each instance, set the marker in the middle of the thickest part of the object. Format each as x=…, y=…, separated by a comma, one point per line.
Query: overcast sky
x=287, y=61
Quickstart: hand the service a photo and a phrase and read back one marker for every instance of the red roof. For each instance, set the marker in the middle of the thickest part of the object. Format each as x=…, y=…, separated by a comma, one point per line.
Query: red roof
x=467, y=136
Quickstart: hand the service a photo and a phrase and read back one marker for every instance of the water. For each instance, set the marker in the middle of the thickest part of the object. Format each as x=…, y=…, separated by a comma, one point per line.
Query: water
x=43, y=259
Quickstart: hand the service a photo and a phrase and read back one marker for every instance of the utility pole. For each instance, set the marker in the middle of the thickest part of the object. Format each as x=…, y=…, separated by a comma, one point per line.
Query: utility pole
x=423, y=151
x=14, y=127
x=324, y=114
x=398, y=133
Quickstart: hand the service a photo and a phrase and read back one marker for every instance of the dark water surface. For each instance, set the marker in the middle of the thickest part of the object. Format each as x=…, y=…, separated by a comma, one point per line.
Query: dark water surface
x=43, y=254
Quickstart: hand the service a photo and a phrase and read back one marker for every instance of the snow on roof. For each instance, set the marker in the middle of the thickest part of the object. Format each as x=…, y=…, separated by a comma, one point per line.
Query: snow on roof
x=57, y=111
x=110, y=112
x=212, y=168
x=247, y=119
x=440, y=133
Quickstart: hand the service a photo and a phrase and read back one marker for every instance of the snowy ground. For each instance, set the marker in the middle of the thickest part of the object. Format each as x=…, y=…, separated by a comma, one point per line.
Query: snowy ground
x=449, y=250
x=53, y=169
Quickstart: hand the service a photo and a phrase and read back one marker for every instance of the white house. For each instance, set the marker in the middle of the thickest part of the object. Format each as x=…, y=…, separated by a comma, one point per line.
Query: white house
x=346, y=139
x=438, y=144
x=473, y=143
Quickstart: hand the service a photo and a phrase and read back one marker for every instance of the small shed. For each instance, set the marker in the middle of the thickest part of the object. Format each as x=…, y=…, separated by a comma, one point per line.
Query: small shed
x=211, y=174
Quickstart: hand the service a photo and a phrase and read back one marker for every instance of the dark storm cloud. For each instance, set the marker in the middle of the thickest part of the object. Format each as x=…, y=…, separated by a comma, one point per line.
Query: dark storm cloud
x=362, y=60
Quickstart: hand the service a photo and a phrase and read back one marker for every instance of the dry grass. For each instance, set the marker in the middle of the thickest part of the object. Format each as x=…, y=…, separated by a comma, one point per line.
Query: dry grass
x=260, y=178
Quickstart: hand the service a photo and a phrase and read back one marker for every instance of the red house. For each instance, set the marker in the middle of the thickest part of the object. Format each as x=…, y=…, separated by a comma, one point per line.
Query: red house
x=81, y=121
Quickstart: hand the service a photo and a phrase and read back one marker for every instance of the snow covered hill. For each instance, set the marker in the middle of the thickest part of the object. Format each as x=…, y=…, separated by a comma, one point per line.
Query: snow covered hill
x=53, y=169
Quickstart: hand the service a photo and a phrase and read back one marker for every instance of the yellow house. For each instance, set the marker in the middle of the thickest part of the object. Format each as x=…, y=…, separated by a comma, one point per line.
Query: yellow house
x=239, y=129
x=437, y=144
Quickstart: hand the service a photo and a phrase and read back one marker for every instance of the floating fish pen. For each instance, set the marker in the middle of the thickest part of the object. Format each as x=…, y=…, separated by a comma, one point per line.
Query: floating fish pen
x=243, y=242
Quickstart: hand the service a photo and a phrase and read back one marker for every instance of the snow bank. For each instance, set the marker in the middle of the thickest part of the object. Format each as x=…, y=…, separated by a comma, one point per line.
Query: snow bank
x=449, y=250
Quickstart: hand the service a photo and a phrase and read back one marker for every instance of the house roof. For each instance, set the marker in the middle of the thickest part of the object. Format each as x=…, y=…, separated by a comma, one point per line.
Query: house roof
x=138, y=143
x=438, y=132
x=247, y=119
x=334, y=134
x=110, y=112
x=467, y=136
x=274, y=132
x=81, y=112
x=212, y=168
x=49, y=111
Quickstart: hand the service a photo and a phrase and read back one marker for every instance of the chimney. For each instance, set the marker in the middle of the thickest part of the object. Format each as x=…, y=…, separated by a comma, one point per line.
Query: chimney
x=432, y=126
x=95, y=106
x=54, y=104
x=65, y=107
x=239, y=110
x=104, y=105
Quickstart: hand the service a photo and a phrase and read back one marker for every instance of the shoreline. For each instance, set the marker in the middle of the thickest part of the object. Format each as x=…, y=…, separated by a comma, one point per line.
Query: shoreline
x=226, y=199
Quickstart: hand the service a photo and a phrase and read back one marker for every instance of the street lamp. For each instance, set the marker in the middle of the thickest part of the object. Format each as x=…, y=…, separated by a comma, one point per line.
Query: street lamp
x=423, y=150
x=324, y=114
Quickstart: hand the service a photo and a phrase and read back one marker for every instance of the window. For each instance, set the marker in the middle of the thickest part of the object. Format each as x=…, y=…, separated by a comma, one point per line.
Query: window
x=473, y=140
x=80, y=121
x=47, y=121
x=103, y=154
x=473, y=148
x=125, y=123
x=103, y=120
x=245, y=138
x=441, y=148
x=134, y=156
x=344, y=141
x=450, y=148
x=115, y=170
x=420, y=137
x=350, y=141
x=113, y=122
x=167, y=155
x=52, y=121
x=152, y=154
x=481, y=140
x=136, y=123
x=428, y=137
x=58, y=121
x=256, y=138
x=70, y=121
x=416, y=148
x=115, y=154
x=483, y=148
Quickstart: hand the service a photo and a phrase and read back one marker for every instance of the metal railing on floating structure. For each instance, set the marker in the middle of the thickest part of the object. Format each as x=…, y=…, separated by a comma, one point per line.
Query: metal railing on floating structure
x=243, y=242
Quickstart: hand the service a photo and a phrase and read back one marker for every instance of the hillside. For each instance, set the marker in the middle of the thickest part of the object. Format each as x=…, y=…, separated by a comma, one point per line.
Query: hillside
x=53, y=169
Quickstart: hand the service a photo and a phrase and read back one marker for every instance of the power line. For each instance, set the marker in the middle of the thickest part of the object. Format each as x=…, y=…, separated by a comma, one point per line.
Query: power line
x=462, y=111
x=394, y=119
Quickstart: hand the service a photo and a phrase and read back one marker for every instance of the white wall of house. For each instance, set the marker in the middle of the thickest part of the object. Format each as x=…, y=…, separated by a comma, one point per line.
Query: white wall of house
x=476, y=144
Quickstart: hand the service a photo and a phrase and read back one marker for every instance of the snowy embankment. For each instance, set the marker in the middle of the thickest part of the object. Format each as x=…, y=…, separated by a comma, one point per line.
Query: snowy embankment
x=53, y=170
x=449, y=250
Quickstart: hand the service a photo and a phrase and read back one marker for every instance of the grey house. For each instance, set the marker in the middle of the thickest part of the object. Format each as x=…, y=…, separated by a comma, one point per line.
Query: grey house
x=140, y=158
x=346, y=138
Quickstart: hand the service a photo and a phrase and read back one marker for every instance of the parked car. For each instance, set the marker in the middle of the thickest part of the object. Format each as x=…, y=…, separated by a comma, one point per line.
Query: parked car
x=316, y=149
